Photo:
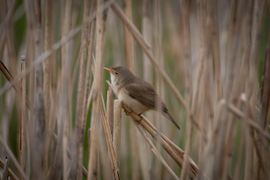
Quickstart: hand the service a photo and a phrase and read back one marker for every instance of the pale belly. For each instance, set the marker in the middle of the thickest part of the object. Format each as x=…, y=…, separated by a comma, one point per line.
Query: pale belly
x=133, y=104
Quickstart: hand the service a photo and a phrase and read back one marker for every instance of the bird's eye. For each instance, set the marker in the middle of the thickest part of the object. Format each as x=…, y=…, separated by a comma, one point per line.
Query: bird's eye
x=116, y=73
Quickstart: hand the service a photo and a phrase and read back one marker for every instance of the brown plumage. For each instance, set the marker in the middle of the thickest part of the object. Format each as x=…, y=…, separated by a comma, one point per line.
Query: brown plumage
x=136, y=93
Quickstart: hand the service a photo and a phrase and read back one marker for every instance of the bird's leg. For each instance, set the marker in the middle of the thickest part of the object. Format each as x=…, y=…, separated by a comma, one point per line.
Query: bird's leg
x=129, y=112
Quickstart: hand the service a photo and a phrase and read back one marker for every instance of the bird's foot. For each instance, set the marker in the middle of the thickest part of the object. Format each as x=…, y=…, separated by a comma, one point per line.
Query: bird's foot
x=127, y=109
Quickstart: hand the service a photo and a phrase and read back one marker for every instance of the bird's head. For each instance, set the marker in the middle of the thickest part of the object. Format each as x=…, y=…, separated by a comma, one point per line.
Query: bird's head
x=119, y=75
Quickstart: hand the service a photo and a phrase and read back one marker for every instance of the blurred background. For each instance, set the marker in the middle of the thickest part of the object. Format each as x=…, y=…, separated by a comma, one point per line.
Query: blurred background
x=208, y=59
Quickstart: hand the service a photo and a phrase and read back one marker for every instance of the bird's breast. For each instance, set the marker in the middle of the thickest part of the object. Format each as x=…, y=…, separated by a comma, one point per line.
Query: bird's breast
x=132, y=103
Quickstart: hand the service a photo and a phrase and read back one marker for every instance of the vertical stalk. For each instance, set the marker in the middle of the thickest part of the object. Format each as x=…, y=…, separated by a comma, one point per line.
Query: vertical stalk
x=23, y=110
x=81, y=99
x=117, y=127
x=147, y=31
x=130, y=58
x=129, y=42
x=64, y=119
x=97, y=89
x=47, y=69
x=158, y=53
x=34, y=17
x=109, y=143
x=110, y=109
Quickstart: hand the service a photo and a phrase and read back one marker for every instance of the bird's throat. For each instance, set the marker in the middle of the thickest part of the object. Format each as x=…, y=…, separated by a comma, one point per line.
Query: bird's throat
x=115, y=84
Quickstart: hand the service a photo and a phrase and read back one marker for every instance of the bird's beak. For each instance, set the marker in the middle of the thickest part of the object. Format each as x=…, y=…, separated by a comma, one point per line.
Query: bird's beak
x=108, y=69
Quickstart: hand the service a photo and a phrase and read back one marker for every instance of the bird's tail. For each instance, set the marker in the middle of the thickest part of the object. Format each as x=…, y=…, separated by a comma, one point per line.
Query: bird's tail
x=169, y=116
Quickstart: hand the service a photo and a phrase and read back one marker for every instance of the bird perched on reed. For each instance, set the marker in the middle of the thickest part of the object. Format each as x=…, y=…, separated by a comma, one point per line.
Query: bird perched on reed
x=136, y=93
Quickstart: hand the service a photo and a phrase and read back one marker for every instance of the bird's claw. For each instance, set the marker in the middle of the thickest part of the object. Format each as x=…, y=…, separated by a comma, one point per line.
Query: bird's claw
x=127, y=110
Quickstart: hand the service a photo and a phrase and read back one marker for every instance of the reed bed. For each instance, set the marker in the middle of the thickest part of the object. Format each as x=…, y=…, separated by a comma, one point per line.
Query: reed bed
x=209, y=61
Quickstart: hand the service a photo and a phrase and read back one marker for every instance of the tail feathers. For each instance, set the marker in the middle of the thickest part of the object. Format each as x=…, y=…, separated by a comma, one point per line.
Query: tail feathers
x=169, y=116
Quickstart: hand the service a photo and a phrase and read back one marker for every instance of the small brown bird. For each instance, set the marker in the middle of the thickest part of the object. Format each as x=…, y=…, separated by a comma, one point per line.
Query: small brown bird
x=136, y=93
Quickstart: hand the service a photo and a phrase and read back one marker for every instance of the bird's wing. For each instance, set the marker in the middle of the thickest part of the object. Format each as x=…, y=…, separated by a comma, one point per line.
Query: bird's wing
x=146, y=95
x=143, y=92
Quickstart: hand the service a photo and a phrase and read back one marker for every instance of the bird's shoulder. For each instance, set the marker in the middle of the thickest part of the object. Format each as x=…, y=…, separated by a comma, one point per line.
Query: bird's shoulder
x=142, y=92
x=140, y=86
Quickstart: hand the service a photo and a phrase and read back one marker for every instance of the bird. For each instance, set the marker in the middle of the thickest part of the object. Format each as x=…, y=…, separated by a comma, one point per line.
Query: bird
x=137, y=94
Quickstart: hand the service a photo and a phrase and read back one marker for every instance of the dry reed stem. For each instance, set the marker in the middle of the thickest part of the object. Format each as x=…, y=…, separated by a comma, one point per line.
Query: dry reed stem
x=8, y=9
x=64, y=123
x=258, y=10
x=148, y=36
x=130, y=59
x=98, y=72
x=156, y=152
x=117, y=127
x=158, y=53
x=146, y=157
x=48, y=42
x=265, y=102
x=248, y=172
x=38, y=121
x=81, y=99
x=110, y=109
x=109, y=143
x=47, y=70
x=10, y=43
x=104, y=163
x=265, y=91
x=185, y=49
x=187, y=151
x=23, y=118
x=89, y=64
x=92, y=162
x=134, y=152
x=129, y=42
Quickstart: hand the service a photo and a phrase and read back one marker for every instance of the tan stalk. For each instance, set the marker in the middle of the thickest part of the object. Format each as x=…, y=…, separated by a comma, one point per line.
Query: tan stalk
x=109, y=143
x=97, y=88
x=147, y=30
x=129, y=42
x=157, y=152
x=49, y=13
x=38, y=121
x=117, y=113
x=64, y=122
x=23, y=118
x=81, y=99
x=184, y=35
x=110, y=109
x=130, y=59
